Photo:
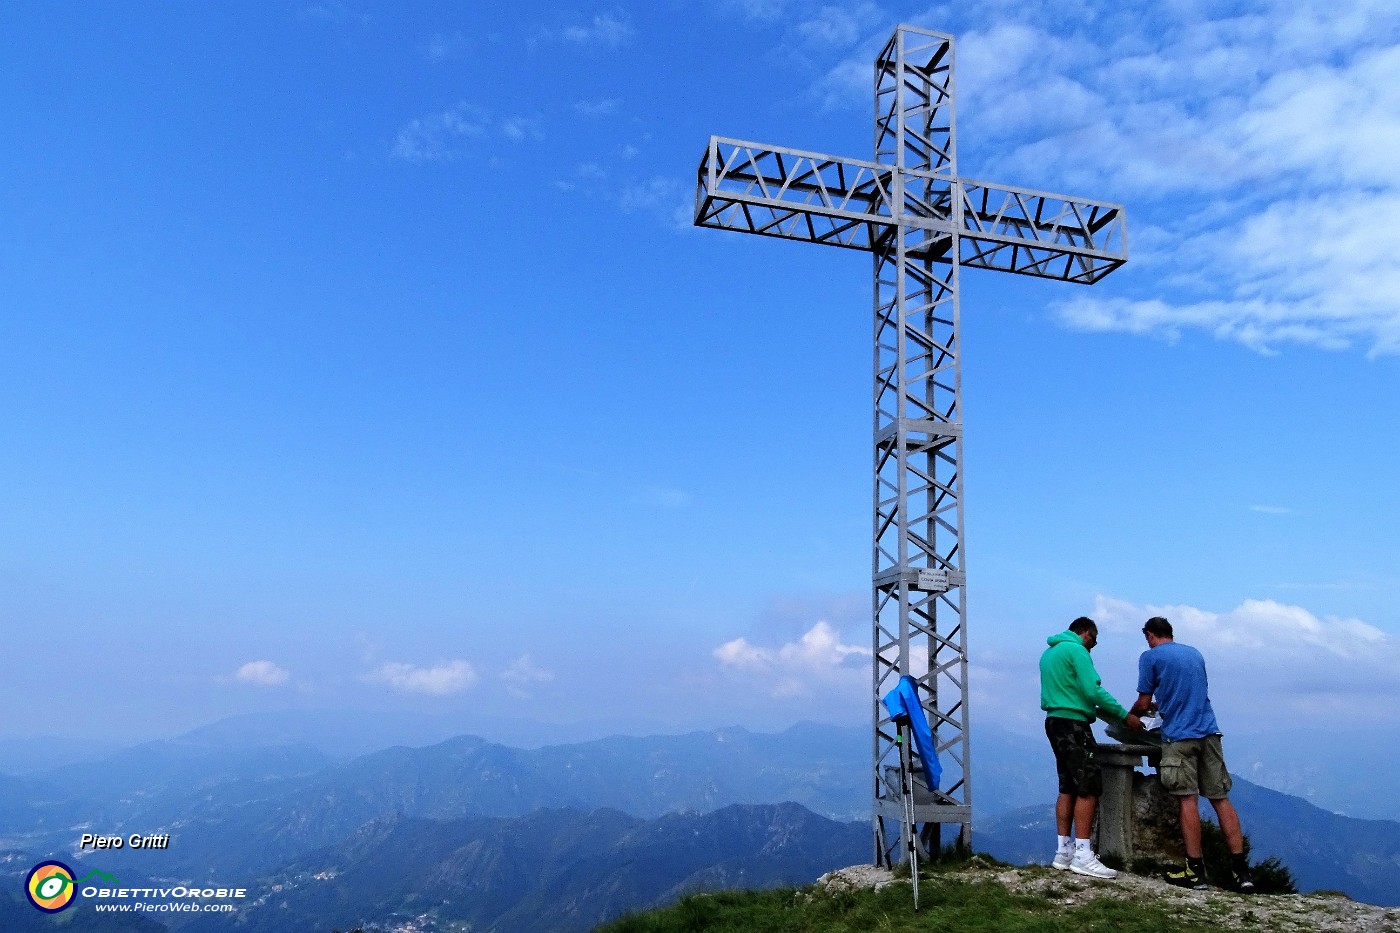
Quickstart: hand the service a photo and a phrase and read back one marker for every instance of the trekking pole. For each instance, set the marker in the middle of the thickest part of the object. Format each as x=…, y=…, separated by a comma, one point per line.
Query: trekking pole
x=906, y=788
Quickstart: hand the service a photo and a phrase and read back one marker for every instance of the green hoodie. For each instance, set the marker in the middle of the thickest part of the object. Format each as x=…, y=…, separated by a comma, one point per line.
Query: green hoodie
x=1069, y=686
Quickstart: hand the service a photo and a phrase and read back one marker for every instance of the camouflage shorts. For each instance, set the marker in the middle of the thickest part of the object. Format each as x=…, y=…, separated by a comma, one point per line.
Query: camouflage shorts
x=1074, y=746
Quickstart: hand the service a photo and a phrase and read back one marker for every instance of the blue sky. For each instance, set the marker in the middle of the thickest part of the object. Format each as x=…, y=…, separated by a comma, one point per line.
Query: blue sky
x=362, y=356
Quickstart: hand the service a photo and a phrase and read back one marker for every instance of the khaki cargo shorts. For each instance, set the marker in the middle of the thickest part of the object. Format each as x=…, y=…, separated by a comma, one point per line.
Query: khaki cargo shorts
x=1195, y=766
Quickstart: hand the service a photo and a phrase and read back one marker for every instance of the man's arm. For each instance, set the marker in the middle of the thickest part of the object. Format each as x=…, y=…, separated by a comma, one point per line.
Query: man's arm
x=1147, y=683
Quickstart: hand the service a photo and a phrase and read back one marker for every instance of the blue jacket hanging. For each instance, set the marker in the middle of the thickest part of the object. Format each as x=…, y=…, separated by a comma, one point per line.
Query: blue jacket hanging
x=903, y=704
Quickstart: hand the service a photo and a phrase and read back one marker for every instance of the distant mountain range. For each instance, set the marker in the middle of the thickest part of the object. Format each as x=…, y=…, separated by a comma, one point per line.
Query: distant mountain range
x=552, y=871
x=1335, y=769
x=383, y=824
x=247, y=809
x=1335, y=772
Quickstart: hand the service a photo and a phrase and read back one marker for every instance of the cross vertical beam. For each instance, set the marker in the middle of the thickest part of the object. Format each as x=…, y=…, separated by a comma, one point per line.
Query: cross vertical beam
x=917, y=562
x=922, y=223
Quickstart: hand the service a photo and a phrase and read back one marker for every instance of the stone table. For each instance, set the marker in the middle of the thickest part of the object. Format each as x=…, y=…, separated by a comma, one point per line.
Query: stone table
x=1137, y=818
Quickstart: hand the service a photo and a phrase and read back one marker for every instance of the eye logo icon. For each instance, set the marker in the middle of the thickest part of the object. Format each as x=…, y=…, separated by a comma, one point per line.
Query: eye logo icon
x=50, y=887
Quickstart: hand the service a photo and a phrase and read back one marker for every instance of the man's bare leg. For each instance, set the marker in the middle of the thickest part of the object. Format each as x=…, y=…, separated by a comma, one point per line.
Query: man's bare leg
x=1064, y=813
x=1084, y=808
x=1229, y=825
x=1191, y=824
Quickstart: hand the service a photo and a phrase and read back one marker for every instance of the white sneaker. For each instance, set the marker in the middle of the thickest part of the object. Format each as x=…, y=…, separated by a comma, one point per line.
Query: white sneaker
x=1089, y=864
x=1062, y=859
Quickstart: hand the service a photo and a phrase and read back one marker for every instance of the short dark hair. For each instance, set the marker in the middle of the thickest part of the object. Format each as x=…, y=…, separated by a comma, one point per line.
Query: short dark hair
x=1157, y=626
x=1083, y=624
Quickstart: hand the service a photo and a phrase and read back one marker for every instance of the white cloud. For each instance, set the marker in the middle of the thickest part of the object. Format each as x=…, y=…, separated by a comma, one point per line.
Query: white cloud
x=1271, y=509
x=740, y=653
x=819, y=647
x=518, y=128
x=1319, y=271
x=1270, y=657
x=649, y=194
x=1298, y=164
x=839, y=25
x=442, y=680
x=797, y=668
x=523, y=674
x=440, y=137
x=1257, y=142
x=607, y=30
x=665, y=198
x=262, y=673
x=1338, y=123
x=760, y=10
x=846, y=86
x=1273, y=666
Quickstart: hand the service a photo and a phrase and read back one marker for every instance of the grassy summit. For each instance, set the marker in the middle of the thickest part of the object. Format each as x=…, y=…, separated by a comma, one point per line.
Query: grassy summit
x=983, y=896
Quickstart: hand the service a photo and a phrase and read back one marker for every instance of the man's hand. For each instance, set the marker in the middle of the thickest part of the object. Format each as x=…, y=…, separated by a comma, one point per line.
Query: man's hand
x=1134, y=723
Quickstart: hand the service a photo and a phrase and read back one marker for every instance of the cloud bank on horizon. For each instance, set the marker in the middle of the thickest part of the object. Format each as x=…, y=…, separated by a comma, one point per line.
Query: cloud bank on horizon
x=1272, y=666
x=1269, y=663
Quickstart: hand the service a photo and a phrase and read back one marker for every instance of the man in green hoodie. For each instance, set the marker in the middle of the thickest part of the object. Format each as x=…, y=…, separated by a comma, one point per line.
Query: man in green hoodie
x=1072, y=695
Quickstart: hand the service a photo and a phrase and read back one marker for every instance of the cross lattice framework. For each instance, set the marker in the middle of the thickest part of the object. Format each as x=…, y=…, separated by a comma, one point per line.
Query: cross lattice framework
x=922, y=223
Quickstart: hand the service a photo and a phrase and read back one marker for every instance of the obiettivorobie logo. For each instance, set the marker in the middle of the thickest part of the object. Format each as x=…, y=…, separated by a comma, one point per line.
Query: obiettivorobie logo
x=51, y=886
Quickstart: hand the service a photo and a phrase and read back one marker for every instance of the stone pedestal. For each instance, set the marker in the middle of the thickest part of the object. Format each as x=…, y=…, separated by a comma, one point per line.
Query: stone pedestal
x=1137, y=819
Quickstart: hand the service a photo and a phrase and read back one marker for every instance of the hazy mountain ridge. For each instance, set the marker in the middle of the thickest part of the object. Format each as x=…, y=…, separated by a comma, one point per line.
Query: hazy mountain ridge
x=245, y=814
x=251, y=814
x=551, y=870
x=293, y=798
x=1337, y=772
x=183, y=767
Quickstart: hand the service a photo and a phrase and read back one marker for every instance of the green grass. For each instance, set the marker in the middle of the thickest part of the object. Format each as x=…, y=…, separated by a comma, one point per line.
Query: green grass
x=951, y=901
x=947, y=903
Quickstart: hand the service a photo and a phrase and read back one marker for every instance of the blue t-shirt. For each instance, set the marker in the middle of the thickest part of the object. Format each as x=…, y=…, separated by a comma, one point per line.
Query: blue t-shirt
x=1176, y=675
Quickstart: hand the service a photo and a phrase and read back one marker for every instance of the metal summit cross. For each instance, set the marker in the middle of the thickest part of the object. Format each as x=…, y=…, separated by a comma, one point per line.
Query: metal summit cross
x=923, y=223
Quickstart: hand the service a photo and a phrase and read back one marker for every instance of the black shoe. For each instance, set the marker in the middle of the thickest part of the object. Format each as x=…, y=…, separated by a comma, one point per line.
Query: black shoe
x=1187, y=878
x=1244, y=881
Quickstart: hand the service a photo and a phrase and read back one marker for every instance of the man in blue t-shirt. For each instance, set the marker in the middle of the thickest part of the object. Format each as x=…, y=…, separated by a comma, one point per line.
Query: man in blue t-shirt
x=1192, y=760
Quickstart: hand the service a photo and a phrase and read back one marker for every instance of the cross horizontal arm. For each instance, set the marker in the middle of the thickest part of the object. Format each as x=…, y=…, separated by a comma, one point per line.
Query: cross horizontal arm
x=791, y=194
x=819, y=198
x=1051, y=236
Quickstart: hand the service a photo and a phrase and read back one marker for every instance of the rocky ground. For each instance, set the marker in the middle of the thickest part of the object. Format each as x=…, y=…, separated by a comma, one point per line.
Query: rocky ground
x=1285, y=913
